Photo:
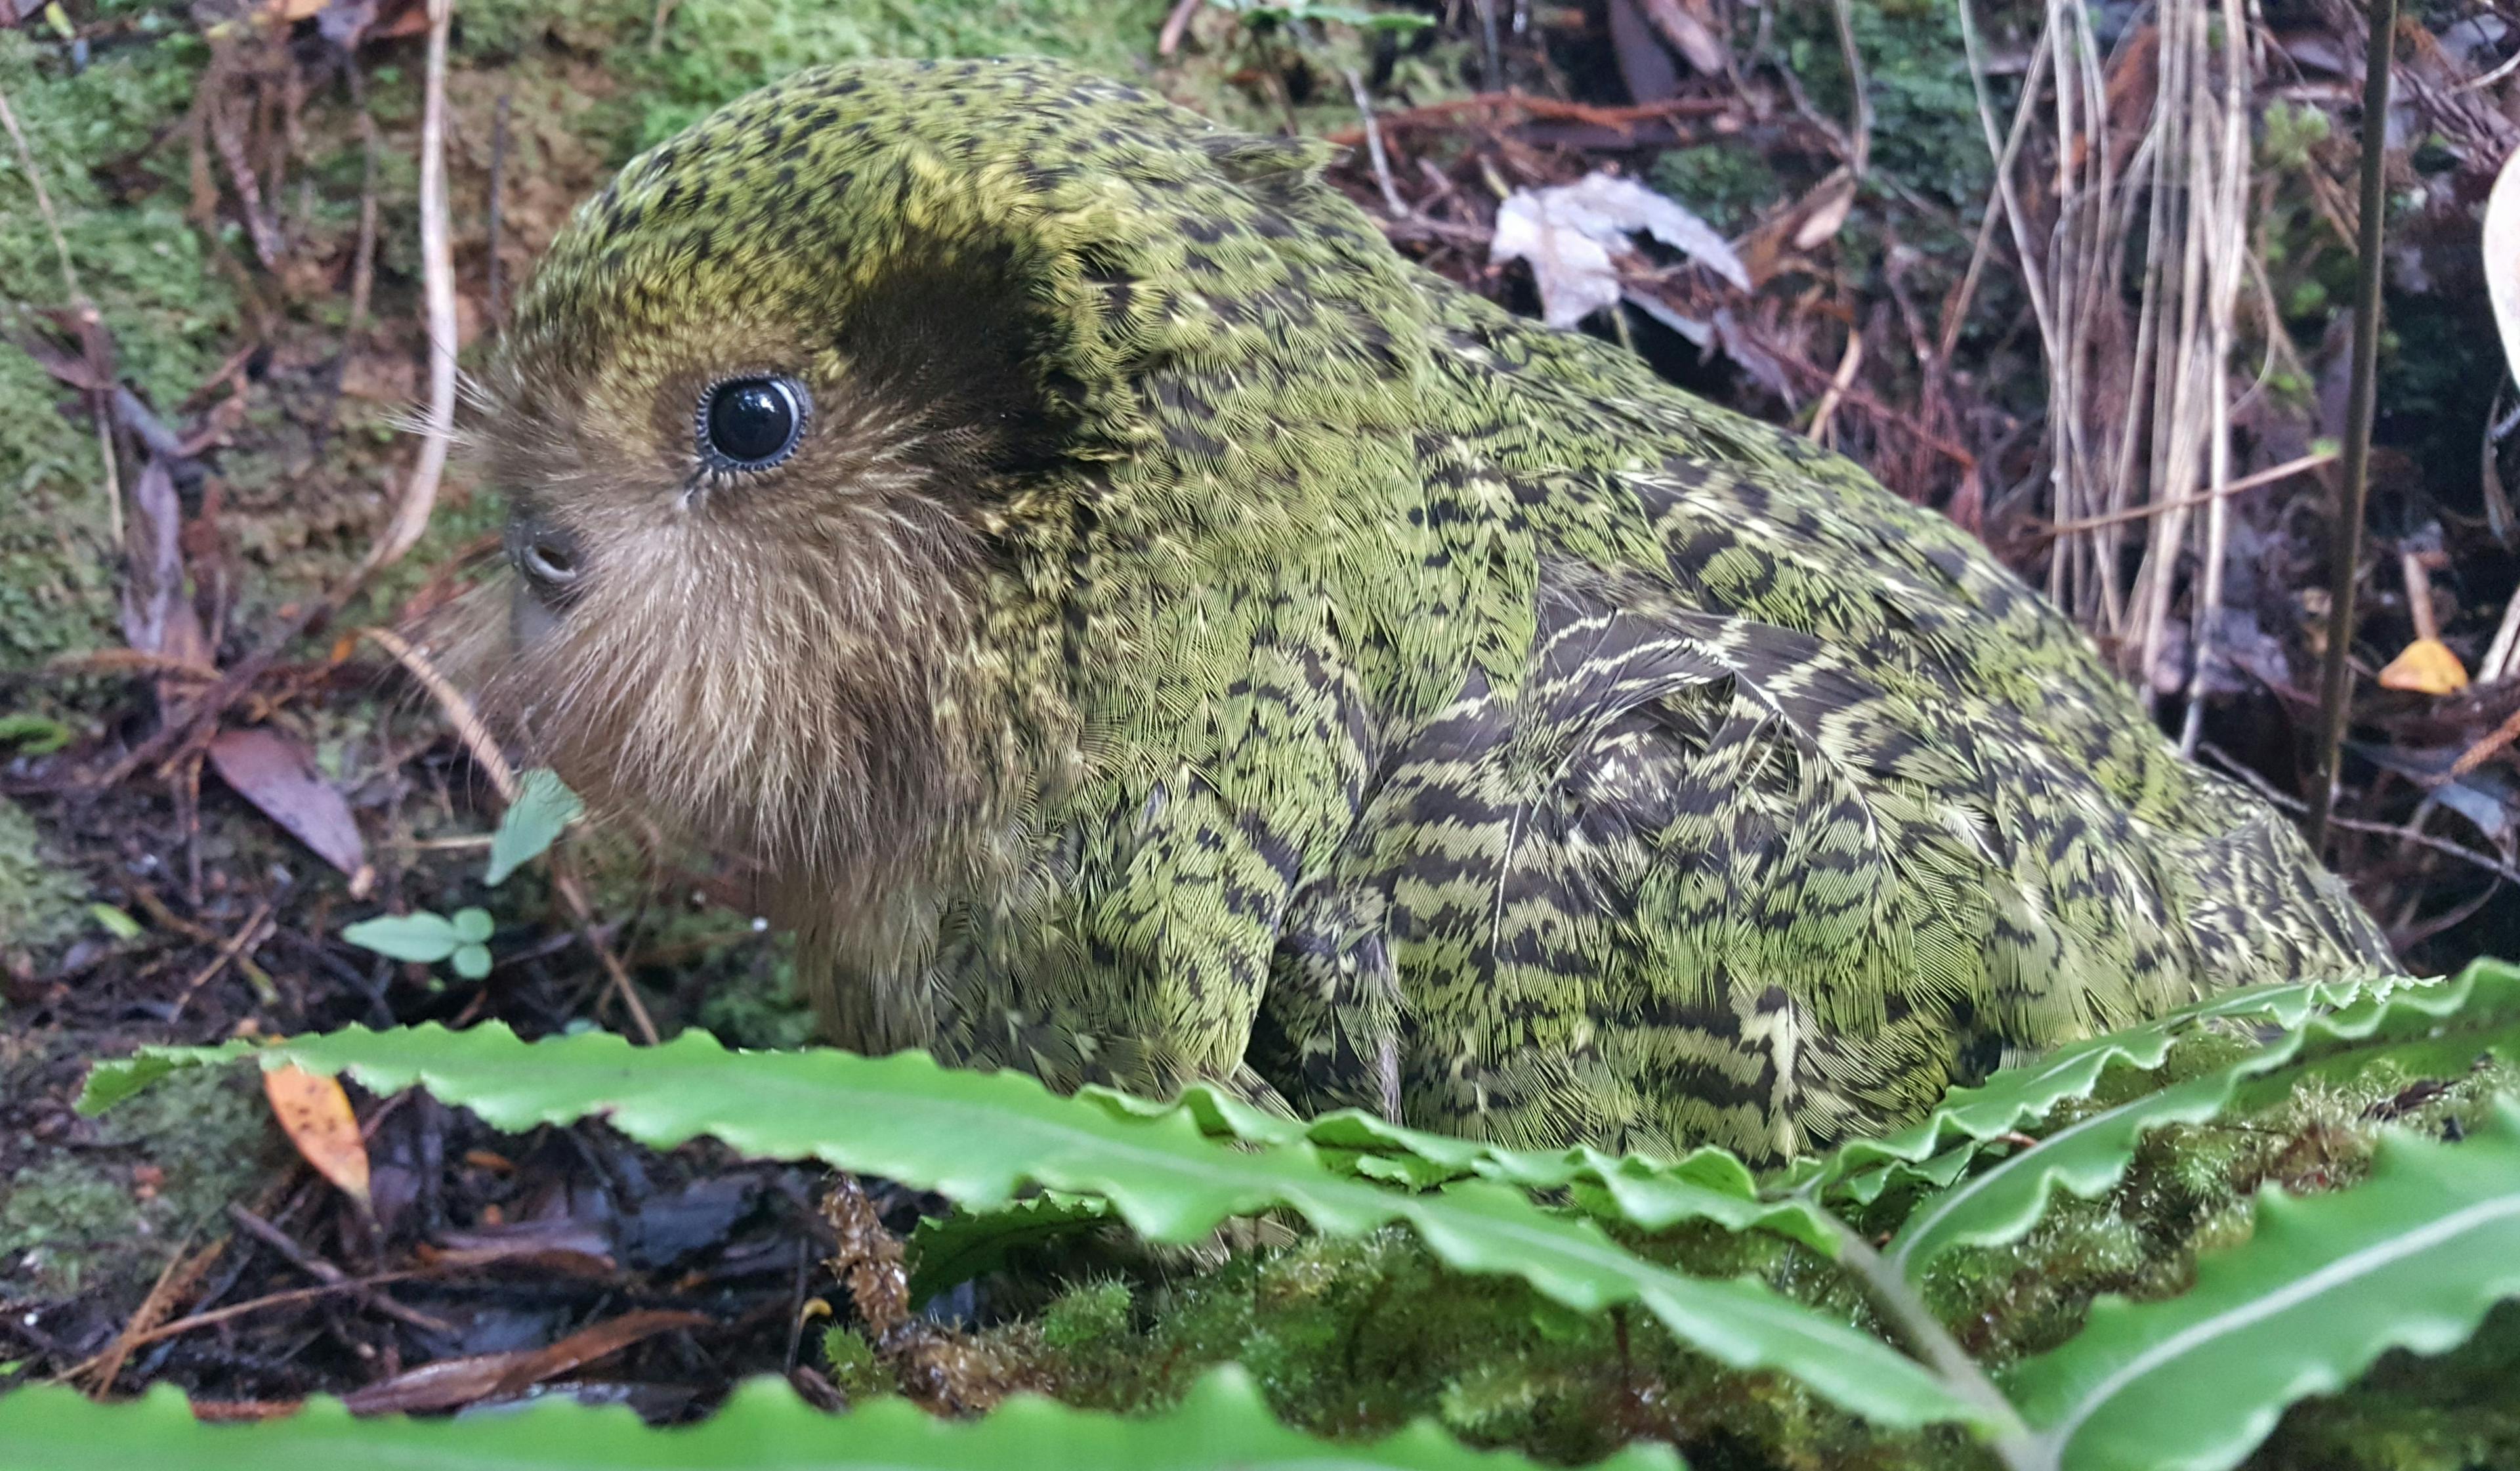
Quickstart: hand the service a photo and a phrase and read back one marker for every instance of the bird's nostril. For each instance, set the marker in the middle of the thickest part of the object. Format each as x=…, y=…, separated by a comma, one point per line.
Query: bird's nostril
x=553, y=559
x=550, y=557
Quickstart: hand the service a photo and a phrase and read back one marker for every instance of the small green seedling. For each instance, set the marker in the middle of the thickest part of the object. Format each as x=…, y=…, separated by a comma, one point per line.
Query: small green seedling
x=544, y=808
x=533, y=822
x=428, y=938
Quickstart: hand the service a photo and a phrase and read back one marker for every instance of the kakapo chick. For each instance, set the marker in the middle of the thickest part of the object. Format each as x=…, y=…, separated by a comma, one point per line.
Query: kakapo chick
x=1151, y=630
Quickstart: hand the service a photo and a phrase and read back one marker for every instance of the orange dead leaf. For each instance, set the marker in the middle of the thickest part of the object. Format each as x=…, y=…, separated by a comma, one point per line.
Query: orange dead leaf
x=316, y=1115
x=2426, y=666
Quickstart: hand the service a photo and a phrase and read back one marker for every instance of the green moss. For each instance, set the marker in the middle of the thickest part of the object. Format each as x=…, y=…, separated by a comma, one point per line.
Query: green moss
x=39, y=903
x=54, y=1221
x=1083, y=1315
x=1729, y=183
x=1356, y=1337
x=171, y=318
x=854, y=1365
x=1925, y=130
x=714, y=51
x=163, y=1167
x=757, y=1005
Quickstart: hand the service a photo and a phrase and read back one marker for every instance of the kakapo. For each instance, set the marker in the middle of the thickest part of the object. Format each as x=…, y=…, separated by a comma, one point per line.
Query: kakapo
x=1146, y=629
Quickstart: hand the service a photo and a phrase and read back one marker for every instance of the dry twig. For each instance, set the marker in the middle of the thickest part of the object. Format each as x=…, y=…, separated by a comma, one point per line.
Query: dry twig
x=437, y=266
x=2344, y=556
x=182, y=1270
x=247, y=936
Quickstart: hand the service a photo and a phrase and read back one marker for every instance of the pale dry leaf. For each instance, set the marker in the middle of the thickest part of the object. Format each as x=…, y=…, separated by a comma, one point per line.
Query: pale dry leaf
x=1572, y=235
x=1828, y=205
x=315, y=1113
x=2502, y=246
x=1690, y=27
x=152, y=589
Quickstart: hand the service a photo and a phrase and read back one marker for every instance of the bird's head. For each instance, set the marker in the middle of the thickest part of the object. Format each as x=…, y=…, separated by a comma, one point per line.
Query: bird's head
x=793, y=412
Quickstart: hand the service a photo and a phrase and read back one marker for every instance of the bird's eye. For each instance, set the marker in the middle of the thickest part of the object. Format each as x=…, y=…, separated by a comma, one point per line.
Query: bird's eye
x=752, y=423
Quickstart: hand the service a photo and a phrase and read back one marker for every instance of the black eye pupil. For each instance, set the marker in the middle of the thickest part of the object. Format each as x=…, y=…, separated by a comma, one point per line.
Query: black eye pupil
x=752, y=422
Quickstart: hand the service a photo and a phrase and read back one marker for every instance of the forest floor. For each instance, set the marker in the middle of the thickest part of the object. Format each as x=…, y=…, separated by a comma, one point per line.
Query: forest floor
x=207, y=769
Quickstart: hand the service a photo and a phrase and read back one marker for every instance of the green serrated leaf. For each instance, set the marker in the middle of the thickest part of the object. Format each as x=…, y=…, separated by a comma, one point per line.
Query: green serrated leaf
x=1647, y=1192
x=2004, y=1201
x=419, y=936
x=981, y=1138
x=2455, y=1021
x=472, y=961
x=1655, y=1199
x=1223, y=1425
x=2413, y=1258
x=2026, y=1093
x=949, y=1251
x=1406, y=1171
x=544, y=807
x=1936, y=1172
x=112, y=1082
x=471, y=924
x=2436, y=1031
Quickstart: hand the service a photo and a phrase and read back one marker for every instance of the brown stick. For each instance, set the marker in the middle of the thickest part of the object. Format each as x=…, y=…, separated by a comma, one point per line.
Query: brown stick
x=2482, y=751
x=2250, y=482
x=1176, y=25
x=244, y=938
x=1451, y=110
x=2336, y=683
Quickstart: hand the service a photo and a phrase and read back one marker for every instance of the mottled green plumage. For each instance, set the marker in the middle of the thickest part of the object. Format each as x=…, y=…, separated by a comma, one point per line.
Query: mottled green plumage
x=1195, y=641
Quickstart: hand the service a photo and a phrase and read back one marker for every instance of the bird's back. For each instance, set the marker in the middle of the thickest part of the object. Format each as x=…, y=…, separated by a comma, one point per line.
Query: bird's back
x=1802, y=808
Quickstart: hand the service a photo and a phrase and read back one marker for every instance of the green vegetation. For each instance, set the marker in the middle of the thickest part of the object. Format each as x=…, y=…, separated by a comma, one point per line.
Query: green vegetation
x=39, y=903
x=143, y=265
x=2220, y=1212
x=121, y=1204
x=1225, y=1425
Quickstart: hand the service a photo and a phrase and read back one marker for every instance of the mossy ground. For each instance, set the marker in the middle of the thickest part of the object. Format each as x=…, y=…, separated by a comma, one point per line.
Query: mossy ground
x=1358, y=1336
x=115, y=1201
x=148, y=272
x=39, y=900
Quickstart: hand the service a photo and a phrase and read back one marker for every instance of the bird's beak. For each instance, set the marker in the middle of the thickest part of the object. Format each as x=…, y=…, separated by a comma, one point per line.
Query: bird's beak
x=550, y=561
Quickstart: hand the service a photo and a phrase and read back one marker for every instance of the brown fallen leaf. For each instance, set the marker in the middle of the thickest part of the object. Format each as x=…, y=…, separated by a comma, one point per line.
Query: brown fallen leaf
x=451, y=1382
x=2425, y=666
x=1645, y=64
x=277, y=773
x=315, y=1113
